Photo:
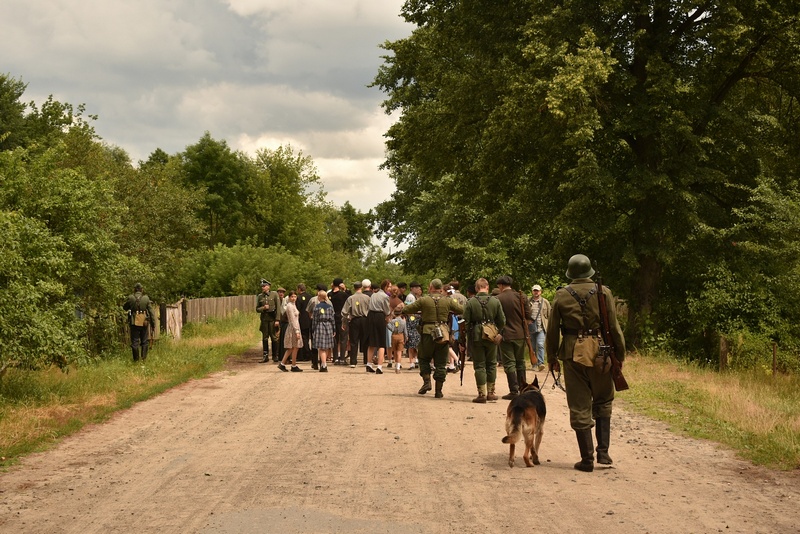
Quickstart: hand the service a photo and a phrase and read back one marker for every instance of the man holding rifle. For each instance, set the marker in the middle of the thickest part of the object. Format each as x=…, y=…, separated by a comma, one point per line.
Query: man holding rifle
x=586, y=354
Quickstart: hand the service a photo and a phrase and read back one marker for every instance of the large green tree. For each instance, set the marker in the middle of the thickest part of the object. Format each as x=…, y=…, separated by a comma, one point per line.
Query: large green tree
x=632, y=131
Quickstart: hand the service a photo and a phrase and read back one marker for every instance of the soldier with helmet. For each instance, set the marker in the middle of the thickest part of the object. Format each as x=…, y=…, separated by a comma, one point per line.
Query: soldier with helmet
x=140, y=320
x=575, y=315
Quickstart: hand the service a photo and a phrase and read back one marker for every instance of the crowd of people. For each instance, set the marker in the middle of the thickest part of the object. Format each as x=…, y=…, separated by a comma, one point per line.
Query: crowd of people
x=381, y=324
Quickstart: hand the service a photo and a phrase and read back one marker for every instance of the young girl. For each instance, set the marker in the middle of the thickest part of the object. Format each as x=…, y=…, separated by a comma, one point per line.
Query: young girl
x=292, y=339
x=397, y=325
x=323, y=326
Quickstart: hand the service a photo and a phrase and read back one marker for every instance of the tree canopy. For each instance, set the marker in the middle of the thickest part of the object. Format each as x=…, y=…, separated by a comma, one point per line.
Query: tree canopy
x=639, y=133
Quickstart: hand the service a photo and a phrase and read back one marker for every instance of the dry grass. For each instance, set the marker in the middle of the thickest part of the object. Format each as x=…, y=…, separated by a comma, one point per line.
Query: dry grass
x=38, y=408
x=755, y=414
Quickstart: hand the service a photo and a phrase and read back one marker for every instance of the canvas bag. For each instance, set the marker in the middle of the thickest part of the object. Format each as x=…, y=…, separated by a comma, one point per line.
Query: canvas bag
x=587, y=347
x=489, y=330
x=139, y=317
x=441, y=333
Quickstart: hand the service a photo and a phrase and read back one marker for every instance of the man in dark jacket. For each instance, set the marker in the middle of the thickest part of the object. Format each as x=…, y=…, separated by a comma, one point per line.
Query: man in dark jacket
x=512, y=348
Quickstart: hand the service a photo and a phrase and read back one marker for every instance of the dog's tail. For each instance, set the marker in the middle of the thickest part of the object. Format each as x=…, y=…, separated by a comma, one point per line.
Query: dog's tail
x=514, y=425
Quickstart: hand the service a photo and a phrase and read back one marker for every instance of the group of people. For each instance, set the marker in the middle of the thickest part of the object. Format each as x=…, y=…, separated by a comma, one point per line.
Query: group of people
x=488, y=326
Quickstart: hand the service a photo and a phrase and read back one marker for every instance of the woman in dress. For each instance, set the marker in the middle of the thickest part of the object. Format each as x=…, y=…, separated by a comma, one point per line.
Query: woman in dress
x=292, y=339
x=323, y=326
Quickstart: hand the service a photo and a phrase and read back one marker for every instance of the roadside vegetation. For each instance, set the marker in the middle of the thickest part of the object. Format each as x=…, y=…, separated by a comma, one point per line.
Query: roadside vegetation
x=37, y=408
x=750, y=411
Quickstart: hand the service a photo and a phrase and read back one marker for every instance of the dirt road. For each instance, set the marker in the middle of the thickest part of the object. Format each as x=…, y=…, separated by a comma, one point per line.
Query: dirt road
x=254, y=450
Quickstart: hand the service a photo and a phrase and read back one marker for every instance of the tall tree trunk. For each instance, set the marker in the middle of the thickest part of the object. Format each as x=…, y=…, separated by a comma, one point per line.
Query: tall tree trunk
x=644, y=295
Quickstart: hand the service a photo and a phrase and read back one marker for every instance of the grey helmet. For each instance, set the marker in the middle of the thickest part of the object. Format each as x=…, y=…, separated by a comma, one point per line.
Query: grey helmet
x=579, y=266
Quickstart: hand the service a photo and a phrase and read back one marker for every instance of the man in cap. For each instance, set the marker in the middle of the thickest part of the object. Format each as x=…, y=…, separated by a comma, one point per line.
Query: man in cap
x=540, y=316
x=590, y=392
x=512, y=348
x=140, y=320
x=435, y=308
x=268, y=305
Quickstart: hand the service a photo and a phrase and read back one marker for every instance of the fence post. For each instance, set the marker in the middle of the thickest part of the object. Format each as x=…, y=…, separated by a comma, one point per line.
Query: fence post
x=774, y=358
x=724, y=350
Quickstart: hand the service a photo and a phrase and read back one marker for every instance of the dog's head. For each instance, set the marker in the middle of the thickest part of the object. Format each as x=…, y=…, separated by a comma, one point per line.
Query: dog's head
x=533, y=386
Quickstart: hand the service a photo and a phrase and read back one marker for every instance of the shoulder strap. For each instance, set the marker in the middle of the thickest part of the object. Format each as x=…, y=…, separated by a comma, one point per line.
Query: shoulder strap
x=483, y=302
x=582, y=302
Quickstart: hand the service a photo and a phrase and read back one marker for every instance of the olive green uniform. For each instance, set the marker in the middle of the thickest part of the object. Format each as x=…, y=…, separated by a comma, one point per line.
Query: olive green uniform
x=428, y=350
x=484, y=351
x=138, y=302
x=269, y=305
x=589, y=393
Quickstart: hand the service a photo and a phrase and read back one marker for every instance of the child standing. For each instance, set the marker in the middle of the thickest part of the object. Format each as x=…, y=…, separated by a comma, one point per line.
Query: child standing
x=397, y=326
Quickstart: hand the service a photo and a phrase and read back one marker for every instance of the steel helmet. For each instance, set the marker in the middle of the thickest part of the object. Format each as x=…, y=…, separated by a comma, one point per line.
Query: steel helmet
x=579, y=266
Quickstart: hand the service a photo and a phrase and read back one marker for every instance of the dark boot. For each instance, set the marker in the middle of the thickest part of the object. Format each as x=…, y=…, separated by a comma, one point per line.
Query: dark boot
x=265, y=350
x=314, y=359
x=275, y=357
x=135, y=354
x=439, y=394
x=513, y=387
x=144, y=351
x=586, y=447
x=602, y=430
x=426, y=385
x=522, y=379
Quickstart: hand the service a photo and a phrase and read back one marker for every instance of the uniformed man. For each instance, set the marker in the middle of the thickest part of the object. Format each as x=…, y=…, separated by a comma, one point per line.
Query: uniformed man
x=590, y=393
x=480, y=310
x=140, y=319
x=354, y=314
x=512, y=348
x=435, y=307
x=268, y=305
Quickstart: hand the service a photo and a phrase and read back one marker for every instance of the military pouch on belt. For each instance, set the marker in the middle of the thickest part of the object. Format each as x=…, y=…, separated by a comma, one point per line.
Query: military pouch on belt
x=140, y=318
x=587, y=350
x=441, y=334
x=489, y=331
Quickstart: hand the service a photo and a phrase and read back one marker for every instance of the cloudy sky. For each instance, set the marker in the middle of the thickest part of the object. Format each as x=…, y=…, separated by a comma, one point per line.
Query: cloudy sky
x=255, y=73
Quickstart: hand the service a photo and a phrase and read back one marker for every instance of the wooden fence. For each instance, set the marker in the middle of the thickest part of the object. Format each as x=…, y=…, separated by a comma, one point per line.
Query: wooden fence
x=200, y=310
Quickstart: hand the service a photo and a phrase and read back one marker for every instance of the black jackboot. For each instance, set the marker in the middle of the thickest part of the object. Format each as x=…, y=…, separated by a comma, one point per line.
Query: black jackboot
x=586, y=447
x=265, y=349
x=602, y=430
x=135, y=354
x=426, y=385
x=513, y=387
x=439, y=394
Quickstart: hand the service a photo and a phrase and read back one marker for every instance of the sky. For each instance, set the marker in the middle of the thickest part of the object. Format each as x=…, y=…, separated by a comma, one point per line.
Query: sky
x=254, y=73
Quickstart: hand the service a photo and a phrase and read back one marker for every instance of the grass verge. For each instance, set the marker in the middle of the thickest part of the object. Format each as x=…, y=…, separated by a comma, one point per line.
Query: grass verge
x=37, y=408
x=754, y=413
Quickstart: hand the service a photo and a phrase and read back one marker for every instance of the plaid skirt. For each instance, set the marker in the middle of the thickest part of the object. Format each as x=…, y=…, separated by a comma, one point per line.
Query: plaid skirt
x=322, y=334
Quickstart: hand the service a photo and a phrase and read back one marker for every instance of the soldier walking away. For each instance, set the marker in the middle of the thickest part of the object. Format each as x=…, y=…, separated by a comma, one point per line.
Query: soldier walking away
x=268, y=306
x=434, y=347
x=483, y=309
x=140, y=319
x=590, y=388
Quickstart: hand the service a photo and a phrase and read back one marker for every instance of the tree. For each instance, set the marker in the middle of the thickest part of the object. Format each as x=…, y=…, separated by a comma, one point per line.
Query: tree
x=631, y=131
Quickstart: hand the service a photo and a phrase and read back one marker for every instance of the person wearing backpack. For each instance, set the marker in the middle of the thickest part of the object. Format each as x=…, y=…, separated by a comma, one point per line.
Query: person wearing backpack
x=140, y=319
x=484, y=310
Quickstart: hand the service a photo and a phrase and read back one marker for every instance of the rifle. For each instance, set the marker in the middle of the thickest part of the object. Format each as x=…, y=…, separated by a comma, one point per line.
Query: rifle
x=608, y=349
x=531, y=354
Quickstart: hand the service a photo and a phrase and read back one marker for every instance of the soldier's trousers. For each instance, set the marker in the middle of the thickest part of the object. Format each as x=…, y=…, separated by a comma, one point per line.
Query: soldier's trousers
x=484, y=361
x=269, y=335
x=139, y=339
x=432, y=352
x=589, y=394
x=513, y=354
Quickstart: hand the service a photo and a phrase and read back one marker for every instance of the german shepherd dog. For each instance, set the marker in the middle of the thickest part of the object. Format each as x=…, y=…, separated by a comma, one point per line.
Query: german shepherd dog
x=525, y=419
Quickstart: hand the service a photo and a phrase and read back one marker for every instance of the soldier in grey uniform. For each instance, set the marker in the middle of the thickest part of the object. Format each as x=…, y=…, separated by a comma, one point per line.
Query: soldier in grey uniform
x=435, y=308
x=481, y=309
x=590, y=393
x=354, y=314
x=268, y=305
x=140, y=319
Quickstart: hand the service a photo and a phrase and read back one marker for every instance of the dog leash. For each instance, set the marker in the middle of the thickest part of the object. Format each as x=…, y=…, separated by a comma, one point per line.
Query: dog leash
x=556, y=380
